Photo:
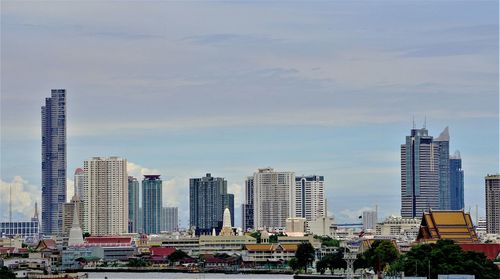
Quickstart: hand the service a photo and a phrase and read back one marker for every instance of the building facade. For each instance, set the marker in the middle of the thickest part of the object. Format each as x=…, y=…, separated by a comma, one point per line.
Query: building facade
x=68, y=212
x=309, y=197
x=170, y=219
x=107, y=196
x=133, y=205
x=419, y=174
x=273, y=198
x=492, y=189
x=369, y=219
x=247, y=207
x=443, y=144
x=53, y=161
x=151, y=204
x=207, y=201
x=230, y=205
x=456, y=182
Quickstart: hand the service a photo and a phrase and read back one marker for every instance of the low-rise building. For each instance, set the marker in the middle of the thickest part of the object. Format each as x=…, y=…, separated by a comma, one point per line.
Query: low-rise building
x=396, y=225
x=265, y=253
x=229, y=244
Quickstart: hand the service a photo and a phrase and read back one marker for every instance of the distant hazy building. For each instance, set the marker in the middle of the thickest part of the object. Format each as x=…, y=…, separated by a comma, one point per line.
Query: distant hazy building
x=419, y=174
x=295, y=226
x=133, y=205
x=151, y=203
x=393, y=226
x=230, y=205
x=492, y=189
x=53, y=161
x=369, y=219
x=207, y=201
x=29, y=231
x=273, y=198
x=107, y=196
x=79, y=183
x=68, y=212
x=456, y=182
x=170, y=219
x=443, y=144
x=247, y=207
x=309, y=197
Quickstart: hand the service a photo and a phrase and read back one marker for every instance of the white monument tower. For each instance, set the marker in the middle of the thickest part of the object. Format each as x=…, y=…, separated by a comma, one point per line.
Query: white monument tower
x=226, y=224
x=75, y=233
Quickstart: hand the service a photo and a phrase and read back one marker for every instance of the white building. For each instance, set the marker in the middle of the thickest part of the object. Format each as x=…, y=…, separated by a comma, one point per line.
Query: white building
x=369, y=219
x=492, y=195
x=273, y=196
x=309, y=197
x=106, y=187
x=398, y=226
x=322, y=226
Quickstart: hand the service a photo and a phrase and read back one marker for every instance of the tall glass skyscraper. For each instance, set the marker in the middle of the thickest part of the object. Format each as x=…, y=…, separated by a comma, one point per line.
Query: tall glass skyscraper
x=456, y=182
x=151, y=203
x=443, y=143
x=247, y=207
x=207, y=201
x=53, y=161
x=133, y=204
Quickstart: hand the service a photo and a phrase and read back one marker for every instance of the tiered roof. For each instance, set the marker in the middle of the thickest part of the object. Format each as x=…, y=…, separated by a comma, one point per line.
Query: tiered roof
x=455, y=225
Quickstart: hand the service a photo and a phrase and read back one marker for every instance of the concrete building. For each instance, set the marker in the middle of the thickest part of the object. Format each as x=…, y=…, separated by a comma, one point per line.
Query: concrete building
x=68, y=212
x=170, y=219
x=133, y=205
x=107, y=202
x=273, y=198
x=53, y=161
x=492, y=193
x=247, y=207
x=207, y=200
x=79, y=180
x=151, y=203
x=395, y=225
x=229, y=244
x=419, y=174
x=322, y=226
x=456, y=182
x=295, y=226
x=309, y=197
x=369, y=219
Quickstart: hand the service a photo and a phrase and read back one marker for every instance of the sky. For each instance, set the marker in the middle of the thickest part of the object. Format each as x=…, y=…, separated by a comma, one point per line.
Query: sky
x=183, y=89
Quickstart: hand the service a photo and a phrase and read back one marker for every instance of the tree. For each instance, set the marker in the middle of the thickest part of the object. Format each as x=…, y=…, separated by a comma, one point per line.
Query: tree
x=381, y=254
x=445, y=257
x=177, y=256
x=6, y=273
x=294, y=264
x=328, y=241
x=322, y=265
x=136, y=263
x=274, y=238
x=305, y=255
x=257, y=236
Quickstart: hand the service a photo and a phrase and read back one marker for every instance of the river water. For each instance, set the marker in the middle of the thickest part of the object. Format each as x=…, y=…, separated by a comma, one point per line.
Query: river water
x=158, y=275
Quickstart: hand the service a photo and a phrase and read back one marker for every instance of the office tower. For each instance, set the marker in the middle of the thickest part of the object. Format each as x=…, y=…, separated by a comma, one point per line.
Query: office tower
x=419, y=174
x=492, y=189
x=140, y=224
x=443, y=143
x=107, y=196
x=309, y=197
x=133, y=205
x=272, y=198
x=170, y=219
x=151, y=203
x=207, y=202
x=247, y=207
x=53, y=161
x=68, y=212
x=79, y=185
x=369, y=219
x=456, y=182
x=230, y=205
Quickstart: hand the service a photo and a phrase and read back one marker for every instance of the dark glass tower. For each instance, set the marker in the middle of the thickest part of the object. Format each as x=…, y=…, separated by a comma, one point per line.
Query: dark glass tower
x=247, y=207
x=151, y=203
x=133, y=205
x=53, y=161
x=443, y=143
x=456, y=182
x=207, y=201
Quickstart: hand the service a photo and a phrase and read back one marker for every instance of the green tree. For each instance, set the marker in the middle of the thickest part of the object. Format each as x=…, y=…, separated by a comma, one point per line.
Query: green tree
x=322, y=265
x=294, y=264
x=136, y=263
x=305, y=255
x=274, y=238
x=177, y=256
x=328, y=241
x=257, y=236
x=6, y=273
x=381, y=254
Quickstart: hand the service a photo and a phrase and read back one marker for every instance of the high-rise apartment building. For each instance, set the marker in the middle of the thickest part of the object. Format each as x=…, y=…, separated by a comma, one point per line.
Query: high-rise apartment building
x=443, y=143
x=247, y=207
x=151, y=204
x=170, y=219
x=492, y=189
x=456, y=182
x=107, y=196
x=309, y=197
x=419, y=174
x=369, y=219
x=273, y=198
x=207, y=201
x=53, y=161
x=79, y=183
x=133, y=205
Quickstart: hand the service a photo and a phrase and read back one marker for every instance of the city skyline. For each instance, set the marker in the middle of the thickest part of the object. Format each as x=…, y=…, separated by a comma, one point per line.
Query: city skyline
x=316, y=93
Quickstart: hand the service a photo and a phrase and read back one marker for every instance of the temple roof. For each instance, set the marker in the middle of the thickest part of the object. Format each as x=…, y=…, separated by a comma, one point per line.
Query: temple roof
x=455, y=225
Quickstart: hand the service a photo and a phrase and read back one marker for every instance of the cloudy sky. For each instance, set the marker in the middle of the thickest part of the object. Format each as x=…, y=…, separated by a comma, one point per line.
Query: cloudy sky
x=182, y=89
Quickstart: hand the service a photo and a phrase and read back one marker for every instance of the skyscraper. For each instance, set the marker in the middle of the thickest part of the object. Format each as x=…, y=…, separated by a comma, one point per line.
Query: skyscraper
x=151, y=203
x=492, y=189
x=53, y=161
x=273, y=196
x=247, y=207
x=170, y=219
x=133, y=205
x=230, y=205
x=79, y=185
x=207, y=200
x=107, y=196
x=419, y=174
x=309, y=197
x=456, y=182
x=443, y=143
x=369, y=219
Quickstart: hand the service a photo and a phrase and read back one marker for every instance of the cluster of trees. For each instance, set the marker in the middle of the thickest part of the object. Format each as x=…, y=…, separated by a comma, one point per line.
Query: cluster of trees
x=304, y=257
x=444, y=257
x=176, y=256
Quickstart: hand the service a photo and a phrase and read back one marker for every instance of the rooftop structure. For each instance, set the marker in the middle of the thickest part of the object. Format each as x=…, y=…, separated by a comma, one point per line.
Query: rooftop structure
x=455, y=225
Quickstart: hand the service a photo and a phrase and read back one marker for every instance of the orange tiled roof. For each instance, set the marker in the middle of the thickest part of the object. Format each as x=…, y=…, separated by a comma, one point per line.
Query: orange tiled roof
x=259, y=247
x=447, y=224
x=289, y=247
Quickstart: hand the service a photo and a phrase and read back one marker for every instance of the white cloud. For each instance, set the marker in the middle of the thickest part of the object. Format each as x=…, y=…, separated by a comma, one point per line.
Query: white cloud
x=239, y=195
x=352, y=215
x=24, y=196
x=138, y=171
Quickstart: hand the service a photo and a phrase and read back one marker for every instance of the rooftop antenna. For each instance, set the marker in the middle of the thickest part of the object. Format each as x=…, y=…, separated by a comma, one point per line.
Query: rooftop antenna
x=10, y=202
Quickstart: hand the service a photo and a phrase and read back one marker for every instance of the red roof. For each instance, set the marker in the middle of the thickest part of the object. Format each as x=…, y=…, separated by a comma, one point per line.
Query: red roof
x=6, y=250
x=490, y=250
x=161, y=251
x=109, y=240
